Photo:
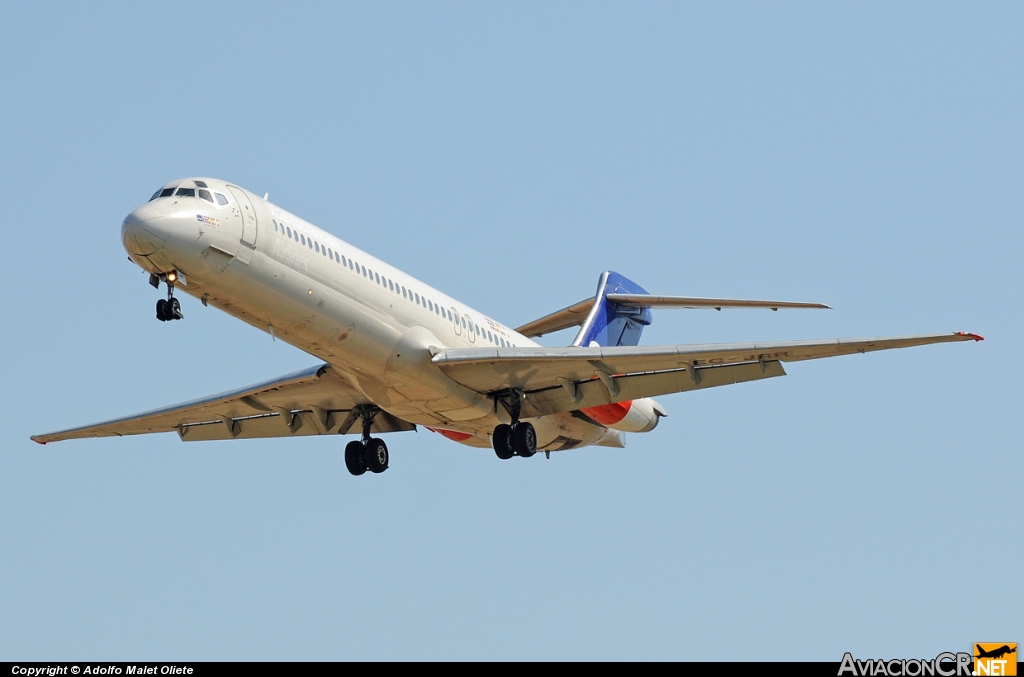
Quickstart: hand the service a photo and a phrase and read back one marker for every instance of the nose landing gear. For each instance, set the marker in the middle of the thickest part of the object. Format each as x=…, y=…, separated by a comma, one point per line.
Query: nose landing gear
x=168, y=309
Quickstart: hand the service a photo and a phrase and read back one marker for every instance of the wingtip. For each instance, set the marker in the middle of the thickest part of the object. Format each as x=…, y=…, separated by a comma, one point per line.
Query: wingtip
x=37, y=440
x=971, y=335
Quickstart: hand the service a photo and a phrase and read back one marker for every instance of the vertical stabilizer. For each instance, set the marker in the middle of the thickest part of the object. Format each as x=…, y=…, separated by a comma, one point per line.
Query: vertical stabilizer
x=610, y=324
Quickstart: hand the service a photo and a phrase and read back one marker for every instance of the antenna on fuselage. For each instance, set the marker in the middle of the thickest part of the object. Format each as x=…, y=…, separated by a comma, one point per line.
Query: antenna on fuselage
x=266, y=196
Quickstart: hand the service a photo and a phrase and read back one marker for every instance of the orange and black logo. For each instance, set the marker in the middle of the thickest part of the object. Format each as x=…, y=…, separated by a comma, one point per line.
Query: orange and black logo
x=995, y=658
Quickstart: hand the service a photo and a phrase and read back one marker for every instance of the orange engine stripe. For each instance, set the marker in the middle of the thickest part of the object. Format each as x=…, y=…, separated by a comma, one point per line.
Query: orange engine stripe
x=608, y=414
x=450, y=434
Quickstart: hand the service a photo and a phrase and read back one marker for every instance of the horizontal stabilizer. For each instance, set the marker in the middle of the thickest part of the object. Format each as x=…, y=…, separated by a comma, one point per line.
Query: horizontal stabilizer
x=573, y=316
x=651, y=301
x=576, y=314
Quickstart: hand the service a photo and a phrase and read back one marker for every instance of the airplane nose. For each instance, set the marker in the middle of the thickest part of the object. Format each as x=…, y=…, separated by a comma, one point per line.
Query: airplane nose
x=143, y=231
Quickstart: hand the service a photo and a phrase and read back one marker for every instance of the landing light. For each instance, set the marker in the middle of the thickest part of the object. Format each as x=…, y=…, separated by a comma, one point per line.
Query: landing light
x=310, y=292
x=172, y=276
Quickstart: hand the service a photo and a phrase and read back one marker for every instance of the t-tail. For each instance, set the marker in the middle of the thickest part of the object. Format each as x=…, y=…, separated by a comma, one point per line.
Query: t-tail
x=610, y=323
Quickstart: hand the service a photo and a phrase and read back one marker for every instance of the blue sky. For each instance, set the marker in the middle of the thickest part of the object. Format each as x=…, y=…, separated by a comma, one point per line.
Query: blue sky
x=863, y=155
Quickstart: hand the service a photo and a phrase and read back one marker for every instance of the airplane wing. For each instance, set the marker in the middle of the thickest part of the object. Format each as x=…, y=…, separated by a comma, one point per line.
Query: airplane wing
x=565, y=379
x=576, y=314
x=315, y=401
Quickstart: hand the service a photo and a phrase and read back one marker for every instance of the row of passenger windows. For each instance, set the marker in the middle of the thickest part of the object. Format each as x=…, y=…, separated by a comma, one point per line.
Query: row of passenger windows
x=391, y=285
x=202, y=193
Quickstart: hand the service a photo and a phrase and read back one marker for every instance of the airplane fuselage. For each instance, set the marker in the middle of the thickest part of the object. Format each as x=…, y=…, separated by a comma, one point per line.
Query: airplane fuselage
x=375, y=324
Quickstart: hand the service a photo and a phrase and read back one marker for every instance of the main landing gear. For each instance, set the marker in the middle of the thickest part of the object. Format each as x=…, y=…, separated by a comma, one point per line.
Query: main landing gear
x=517, y=439
x=370, y=453
x=168, y=309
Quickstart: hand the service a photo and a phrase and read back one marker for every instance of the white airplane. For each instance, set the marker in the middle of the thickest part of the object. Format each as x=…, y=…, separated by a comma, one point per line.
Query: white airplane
x=397, y=353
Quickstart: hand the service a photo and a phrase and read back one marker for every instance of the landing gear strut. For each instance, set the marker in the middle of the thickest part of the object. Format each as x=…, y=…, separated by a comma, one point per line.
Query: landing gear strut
x=370, y=453
x=517, y=439
x=168, y=309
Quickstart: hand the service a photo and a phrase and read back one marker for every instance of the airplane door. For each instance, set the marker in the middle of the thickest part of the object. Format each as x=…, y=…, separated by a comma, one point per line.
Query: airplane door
x=249, y=222
x=458, y=325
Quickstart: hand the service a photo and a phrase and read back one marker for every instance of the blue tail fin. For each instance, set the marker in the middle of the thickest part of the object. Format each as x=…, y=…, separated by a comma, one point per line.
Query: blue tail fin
x=610, y=324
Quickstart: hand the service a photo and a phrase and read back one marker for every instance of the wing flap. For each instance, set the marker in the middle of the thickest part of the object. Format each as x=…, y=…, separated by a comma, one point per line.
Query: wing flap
x=594, y=392
x=303, y=423
x=534, y=368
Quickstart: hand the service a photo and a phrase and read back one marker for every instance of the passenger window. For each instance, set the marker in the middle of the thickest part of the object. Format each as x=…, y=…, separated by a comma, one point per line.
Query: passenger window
x=378, y=277
x=303, y=238
x=417, y=298
x=317, y=246
x=344, y=261
x=221, y=200
x=205, y=194
x=186, y=192
x=309, y=243
x=289, y=231
x=391, y=285
x=463, y=322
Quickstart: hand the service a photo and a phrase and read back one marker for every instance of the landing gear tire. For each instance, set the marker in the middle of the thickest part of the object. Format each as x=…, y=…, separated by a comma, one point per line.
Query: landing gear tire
x=161, y=310
x=173, y=309
x=501, y=440
x=354, y=459
x=524, y=439
x=376, y=455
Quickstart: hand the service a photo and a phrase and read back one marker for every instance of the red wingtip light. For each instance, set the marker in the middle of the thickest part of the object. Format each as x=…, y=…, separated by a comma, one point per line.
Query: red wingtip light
x=976, y=337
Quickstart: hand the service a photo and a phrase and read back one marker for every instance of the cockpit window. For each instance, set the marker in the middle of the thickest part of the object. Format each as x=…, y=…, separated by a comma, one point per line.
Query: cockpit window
x=186, y=192
x=221, y=200
x=202, y=184
x=205, y=194
x=163, y=192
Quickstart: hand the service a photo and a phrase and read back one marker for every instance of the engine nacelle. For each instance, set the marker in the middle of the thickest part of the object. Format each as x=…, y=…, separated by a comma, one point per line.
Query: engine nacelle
x=637, y=416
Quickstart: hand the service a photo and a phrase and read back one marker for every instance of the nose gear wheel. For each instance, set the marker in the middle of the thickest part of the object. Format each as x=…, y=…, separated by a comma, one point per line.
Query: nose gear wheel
x=169, y=308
